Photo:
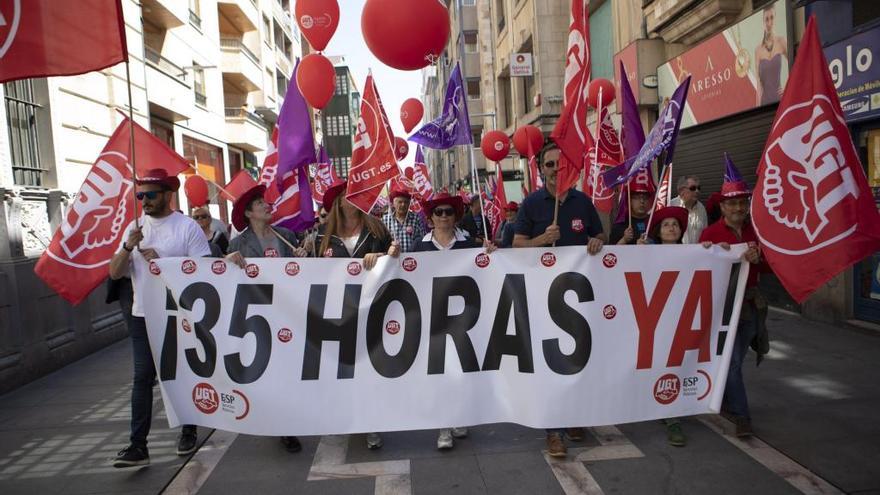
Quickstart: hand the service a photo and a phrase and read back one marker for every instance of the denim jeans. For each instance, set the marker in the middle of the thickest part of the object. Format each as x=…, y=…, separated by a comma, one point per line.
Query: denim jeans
x=735, y=399
x=142, y=385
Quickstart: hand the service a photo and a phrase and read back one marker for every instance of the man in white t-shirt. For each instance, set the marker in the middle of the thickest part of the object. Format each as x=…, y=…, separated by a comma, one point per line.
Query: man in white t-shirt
x=162, y=233
x=689, y=197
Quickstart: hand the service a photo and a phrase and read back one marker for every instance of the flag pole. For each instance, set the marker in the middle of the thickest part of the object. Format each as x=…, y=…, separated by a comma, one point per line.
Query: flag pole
x=656, y=196
x=131, y=143
x=479, y=190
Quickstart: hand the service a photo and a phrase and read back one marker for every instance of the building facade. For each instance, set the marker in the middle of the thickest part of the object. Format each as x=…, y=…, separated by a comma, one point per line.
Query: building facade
x=207, y=77
x=340, y=117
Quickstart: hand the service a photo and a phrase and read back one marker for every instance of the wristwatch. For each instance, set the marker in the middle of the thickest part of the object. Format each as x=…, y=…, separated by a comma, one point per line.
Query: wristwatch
x=127, y=248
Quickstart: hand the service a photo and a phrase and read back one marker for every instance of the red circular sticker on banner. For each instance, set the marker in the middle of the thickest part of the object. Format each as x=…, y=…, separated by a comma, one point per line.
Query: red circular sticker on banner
x=409, y=264
x=291, y=268
x=186, y=326
x=285, y=335
x=205, y=398
x=609, y=312
x=609, y=260
x=667, y=388
x=252, y=270
x=218, y=267
x=482, y=260
x=354, y=268
x=188, y=266
x=154, y=268
x=392, y=327
x=548, y=259
x=270, y=253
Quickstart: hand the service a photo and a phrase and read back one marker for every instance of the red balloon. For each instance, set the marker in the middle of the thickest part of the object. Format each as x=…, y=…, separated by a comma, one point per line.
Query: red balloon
x=408, y=173
x=196, y=190
x=607, y=93
x=495, y=145
x=411, y=113
x=525, y=135
x=405, y=34
x=401, y=148
x=316, y=79
x=317, y=19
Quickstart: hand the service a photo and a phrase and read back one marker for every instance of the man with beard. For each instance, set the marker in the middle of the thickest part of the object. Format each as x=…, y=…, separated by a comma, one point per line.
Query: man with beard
x=162, y=232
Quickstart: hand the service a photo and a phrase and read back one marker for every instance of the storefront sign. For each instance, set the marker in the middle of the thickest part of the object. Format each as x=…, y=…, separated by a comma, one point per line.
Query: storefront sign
x=856, y=74
x=521, y=65
x=629, y=57
x=743, y=67
x=641, y=58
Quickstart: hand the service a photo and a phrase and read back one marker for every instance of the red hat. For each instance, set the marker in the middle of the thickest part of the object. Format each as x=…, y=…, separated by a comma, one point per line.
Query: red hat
x=239, y=221
x=332, y=192
x=676, y=212
x=737, y=189
x=512, y=206
x=159, y=176
x=398, y=193
x=455, y=202
x=641, y=188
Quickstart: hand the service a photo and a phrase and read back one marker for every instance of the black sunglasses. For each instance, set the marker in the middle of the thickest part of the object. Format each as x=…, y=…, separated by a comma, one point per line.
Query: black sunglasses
x=550, y=164
x=694, y=188
x=151, y=195
x=201, y=217
x=444, y=212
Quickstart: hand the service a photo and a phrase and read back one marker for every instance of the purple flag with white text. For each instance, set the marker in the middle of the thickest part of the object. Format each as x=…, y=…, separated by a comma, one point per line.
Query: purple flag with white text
x=454, y=126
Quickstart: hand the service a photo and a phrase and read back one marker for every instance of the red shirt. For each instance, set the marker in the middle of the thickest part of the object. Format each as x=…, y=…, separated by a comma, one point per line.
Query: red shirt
x=720, y=232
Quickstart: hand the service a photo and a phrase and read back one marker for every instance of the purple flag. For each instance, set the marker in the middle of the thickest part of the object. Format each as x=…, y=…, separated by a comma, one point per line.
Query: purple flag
x=632, y=134
x=731, y=174
x=454, y=126
x=662, y=137
x=296, y=145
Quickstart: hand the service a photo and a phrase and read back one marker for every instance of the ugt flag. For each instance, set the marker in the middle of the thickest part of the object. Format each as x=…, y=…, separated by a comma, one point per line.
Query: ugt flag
x=454, y=126
x=662, y=137
x=41, y=38
x=421, y=176
x=373, y=162
x=78, y=257
x=325, y=176
x=570, y=133
x=812, y=208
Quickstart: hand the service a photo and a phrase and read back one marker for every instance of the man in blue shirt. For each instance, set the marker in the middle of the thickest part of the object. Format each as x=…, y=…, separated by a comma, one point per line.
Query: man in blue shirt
x=578, y=224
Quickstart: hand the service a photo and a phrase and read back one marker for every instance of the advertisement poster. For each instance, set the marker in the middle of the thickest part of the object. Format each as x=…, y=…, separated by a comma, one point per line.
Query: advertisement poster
x=856, y=76
x=743, y=67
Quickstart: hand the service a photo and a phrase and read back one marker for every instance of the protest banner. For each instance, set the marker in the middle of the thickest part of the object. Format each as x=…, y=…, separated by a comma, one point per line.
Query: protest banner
x=543, y=337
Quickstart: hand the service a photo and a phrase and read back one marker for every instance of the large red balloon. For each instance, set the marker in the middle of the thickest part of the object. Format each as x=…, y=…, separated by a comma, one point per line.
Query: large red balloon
x=317, y=19
x=405, y=34
x=196, y=190
x=316, y=79
x=401, y=148
x=607, y=93
x=411, y=113
x=495, y=145
x=525, y=135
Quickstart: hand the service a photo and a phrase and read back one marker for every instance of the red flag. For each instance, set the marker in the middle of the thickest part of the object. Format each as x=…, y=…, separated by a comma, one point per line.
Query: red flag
x=293, y=209
x=661, y=198
x=500, y=195
x=605, y=154
x=41, y=38
x=238, y=185
x=812, y=208
x=373, y=161
x=325, y=176
x=78, y=257
x=571, y=133
x=422, y=178
x=269, y=172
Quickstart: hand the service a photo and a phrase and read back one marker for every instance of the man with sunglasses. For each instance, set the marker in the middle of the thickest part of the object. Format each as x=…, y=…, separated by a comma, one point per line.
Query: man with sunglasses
x=689, y=198
x=578, y=224
x=162, y=232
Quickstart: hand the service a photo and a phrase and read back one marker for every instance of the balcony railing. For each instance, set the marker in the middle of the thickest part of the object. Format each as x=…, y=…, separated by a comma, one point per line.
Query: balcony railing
x=236, y=44
x=242, y=113
x=165, y=65
x=282, y=59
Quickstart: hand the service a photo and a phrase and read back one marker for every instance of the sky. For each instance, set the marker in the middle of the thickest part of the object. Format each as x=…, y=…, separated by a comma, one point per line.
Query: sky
x=394, y=86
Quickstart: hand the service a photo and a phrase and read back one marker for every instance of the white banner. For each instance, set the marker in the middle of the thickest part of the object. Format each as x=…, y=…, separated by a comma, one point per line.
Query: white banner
x=541, y=337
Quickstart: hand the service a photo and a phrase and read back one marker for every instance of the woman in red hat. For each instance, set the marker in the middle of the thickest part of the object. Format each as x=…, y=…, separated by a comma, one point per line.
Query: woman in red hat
x=252, y=216
x=444, y=212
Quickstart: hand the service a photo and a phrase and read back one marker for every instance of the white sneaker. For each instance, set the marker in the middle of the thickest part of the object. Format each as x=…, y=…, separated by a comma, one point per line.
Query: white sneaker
x=459, y=432
x=374, y=441
x=444, y=440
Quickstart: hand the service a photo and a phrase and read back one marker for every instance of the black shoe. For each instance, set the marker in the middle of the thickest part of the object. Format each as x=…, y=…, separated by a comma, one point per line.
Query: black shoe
x=132, y=455
x=291, y=444
x=186, y=444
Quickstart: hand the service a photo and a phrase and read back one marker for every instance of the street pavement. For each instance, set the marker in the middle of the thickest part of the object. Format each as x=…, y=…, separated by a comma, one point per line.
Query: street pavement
x=814, y=402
